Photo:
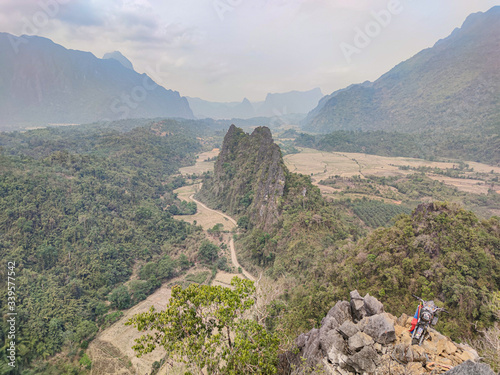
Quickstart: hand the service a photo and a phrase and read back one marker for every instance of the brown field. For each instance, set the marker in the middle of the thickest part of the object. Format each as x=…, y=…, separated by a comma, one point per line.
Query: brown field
x=201, y=165
x=469, y=186
x=320, y=165
x=111, y=352
x=224, y=278
x=205, y=217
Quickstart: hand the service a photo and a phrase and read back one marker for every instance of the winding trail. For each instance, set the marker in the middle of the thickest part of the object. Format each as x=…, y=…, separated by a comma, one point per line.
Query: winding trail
x=234, y=259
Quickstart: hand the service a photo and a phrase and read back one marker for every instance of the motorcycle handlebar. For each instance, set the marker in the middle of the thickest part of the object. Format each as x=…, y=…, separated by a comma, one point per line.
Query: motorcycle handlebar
x=420, y=299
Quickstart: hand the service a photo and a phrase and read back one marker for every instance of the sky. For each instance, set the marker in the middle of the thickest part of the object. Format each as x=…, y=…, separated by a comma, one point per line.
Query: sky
x=226, y=50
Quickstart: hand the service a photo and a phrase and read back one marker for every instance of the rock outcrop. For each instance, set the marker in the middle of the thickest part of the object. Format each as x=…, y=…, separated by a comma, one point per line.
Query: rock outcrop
x=359, y=337
x=249, y=177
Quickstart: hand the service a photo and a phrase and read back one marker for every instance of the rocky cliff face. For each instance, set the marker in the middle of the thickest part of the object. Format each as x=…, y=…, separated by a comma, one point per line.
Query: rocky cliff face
x=358, y=337
x=248, y=178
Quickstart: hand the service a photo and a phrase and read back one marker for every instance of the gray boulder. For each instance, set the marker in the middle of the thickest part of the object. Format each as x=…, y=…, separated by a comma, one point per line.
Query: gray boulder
x=311, y=348
x=364, y=360
x=359, y=341
x=348, y=329
x=471, y=368
x=333, y=320
x=372, y=305
x=405, y=353
x=357, y=306
x=301, y=341
x=380, y=327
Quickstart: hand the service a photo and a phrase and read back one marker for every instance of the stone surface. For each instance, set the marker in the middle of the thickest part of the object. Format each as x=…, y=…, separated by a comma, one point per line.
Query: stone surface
x=359, y=341
x=415, y=368
x=471, y=368
x=312, y=349
x=407, y=353
x=381, y=328
x=357, y=306
x=364, y=360
x=348, y=329
x=467, y=348
x=401, y=321
x=465, y=356
x=450, y=348
x=372, y=305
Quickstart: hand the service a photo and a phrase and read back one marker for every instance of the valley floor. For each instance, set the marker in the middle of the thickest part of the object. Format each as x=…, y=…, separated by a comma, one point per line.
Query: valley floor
x=111, y=351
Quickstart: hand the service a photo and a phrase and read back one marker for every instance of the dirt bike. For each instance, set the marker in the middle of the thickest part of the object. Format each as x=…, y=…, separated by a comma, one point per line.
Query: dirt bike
x=426, y=316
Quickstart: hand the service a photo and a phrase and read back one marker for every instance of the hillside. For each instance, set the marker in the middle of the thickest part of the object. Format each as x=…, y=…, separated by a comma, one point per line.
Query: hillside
x=453, y=86
x=82, y=210
x=43, y=82
x=439, y=252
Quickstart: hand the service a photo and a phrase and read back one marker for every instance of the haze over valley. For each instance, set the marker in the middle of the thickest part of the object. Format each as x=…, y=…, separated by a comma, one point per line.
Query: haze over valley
x=249, y=187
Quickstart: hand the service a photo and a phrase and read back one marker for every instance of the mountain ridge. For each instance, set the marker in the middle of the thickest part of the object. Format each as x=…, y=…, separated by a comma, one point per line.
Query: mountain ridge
x=275, y=104
x=422, y=92
x=44, y=82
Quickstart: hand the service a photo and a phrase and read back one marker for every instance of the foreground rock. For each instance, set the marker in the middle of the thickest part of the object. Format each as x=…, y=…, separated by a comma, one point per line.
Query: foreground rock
x=358, y=337
x=469, y=368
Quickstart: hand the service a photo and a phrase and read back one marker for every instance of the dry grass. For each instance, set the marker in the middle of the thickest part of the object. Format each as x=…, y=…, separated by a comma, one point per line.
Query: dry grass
x=112, y=349
x=469, y=186
x=204, y=217
x=323, y=164
x=224, y=278
x=201, y=165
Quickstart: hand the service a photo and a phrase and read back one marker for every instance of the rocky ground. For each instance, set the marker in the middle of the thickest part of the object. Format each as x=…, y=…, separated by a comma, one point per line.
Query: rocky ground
x=358, y=337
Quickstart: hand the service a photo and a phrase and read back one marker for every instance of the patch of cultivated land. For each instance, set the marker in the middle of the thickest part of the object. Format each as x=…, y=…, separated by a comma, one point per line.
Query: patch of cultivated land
x=321, y=165
x=111, y=352
x=205, y=217
x=202, y=165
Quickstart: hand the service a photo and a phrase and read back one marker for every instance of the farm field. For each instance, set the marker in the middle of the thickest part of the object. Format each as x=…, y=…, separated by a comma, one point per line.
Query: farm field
x=321, y=165
x=202, y=165
x=204, y=217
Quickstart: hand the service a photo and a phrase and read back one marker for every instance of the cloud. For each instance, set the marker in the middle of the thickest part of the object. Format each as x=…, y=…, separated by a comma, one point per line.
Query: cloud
x=259, y=46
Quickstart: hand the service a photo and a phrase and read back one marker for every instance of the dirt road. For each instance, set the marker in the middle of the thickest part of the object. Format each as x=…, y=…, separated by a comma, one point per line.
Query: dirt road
x=234, y=259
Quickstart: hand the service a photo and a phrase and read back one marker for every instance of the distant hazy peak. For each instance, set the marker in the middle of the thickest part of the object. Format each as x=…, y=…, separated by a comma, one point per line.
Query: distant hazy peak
x=315, y=91
x=120, y=58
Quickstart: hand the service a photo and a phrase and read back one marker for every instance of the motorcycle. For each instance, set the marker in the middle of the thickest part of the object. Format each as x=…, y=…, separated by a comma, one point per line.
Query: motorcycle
x=425, y=316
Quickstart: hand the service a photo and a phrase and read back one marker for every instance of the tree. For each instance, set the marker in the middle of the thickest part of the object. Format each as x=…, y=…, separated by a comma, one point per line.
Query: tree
x=120, y=298
x=208, y=252
x=206, y=328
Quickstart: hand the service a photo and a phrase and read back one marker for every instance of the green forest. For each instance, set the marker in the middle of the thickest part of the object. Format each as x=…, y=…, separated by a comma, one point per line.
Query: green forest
x=79, y=207
x=84, y=209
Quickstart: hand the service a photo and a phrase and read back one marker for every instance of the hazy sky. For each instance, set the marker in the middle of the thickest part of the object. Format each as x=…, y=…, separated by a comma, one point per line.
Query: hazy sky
x=225, y=50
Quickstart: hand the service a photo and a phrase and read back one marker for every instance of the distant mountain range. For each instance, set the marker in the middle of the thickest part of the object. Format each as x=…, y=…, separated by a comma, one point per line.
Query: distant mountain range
x=275, y=105
x=42, y=82
x=453, y=85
